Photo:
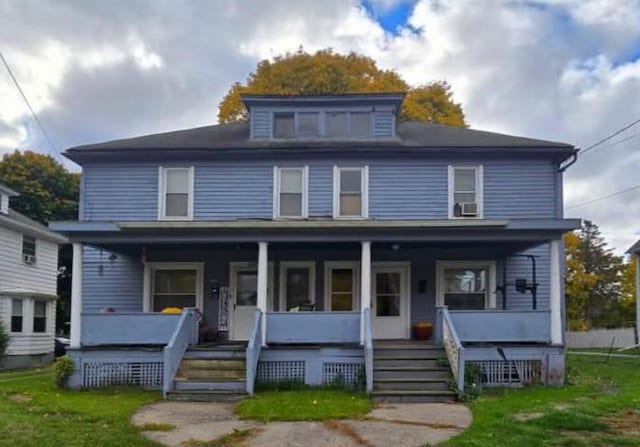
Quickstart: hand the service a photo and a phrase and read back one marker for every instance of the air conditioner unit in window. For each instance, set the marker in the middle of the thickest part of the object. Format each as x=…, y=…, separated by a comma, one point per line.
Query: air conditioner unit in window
x=29, y=259
x=469, y=209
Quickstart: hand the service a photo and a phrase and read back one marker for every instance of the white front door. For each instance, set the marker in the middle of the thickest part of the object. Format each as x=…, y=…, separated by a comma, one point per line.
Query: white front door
x=244, y=296
x=390, y=301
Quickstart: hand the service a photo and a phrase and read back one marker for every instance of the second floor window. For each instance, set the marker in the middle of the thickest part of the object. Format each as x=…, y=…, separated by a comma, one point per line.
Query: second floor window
x=465, y=191
x=176, y=193
x=350, y=195
x=28, y=249
x=290, y=192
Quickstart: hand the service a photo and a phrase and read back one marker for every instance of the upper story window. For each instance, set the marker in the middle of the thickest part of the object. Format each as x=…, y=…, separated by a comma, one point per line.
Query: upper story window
x=329, y=124
x=290, y=192
x=283, y=125
x=360, y=124
x=465, y=192
x=350, y=192
x=39, y=316
x=308, y=125
x=28, y=249
x=175, y=193
x=17, y=311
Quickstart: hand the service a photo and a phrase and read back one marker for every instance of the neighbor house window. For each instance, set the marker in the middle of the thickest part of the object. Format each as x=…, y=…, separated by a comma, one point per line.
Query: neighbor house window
x=283, y=125
x=466, y=285
x=465, y=191
x=28, y=249
x=175, y=285
x=176, y=193
x=350, y=198
x=291, y=192
x=308, y=124
x=39, y=316
x=360, y=124
x=17, y=313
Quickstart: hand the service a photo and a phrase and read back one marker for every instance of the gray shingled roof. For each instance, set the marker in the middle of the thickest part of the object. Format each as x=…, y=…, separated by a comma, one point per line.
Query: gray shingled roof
x=20, y=222
x=635, y=248
x=411, y=134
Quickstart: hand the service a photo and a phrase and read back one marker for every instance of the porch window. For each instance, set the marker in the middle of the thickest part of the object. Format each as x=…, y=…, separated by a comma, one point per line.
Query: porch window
x=174, y=287
x=176, y=193
x=17, y=313
x=340, y=285
x=465, y=191
x=297, y=285
x=291, y=192
x=39, y=316
x=466, y=285
x=350, y=192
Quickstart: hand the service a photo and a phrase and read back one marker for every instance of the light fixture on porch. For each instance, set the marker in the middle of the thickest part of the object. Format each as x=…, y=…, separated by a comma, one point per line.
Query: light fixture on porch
x=395, y=247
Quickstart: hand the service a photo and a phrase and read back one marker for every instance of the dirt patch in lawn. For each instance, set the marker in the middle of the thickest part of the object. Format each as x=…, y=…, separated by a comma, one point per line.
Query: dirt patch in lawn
x=523, y=417
x=626, y=422
x=20, y=397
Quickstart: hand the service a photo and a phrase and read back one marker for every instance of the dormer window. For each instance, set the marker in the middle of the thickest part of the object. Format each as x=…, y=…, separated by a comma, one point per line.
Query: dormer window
x=360, y=124
x=336, y=125
x=325, y=124
x=308, y=125
x=283, y=125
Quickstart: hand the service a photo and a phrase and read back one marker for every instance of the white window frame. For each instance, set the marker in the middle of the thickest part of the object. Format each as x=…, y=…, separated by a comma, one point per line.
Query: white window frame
x=24, y=302
x=364, y=188
x=151, y=267
x=284, y=266
x=162, y=192
x=35, y=250
x=276, y=191
x=331, y=265
x=46, y=316
x=479, y=190
x=441, y=266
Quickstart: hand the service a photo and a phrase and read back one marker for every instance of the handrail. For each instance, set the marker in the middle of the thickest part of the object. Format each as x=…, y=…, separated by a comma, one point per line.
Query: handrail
x=368, y=348
x=185, y=334
x=253, y=351
x=454, y=349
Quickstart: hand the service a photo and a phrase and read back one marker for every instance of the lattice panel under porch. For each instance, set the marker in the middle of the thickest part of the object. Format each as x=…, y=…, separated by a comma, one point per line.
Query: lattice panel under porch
x=279, y=371
x=510, y=372
x=144, y=374
x=341, y=373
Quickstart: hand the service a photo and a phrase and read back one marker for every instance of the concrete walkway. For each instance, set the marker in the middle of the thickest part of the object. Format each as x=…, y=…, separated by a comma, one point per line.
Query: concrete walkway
x=393, y=424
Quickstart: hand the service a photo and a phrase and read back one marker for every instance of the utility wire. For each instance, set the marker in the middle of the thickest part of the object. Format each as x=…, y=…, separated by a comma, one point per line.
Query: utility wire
x=604, y=140
x=33, y=113
x=597, y=199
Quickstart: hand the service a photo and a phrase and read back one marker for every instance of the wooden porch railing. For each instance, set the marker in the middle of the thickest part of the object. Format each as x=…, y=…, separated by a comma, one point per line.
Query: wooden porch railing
x=184, y=335
x=453, y=347
x=253, y=351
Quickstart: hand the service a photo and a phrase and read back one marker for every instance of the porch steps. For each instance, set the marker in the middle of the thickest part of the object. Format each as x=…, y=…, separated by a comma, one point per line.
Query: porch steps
x=410, y=371
x=214, y=372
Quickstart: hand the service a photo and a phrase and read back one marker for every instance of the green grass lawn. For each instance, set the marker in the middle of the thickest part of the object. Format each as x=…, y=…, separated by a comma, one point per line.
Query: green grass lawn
x=33, y=412
x=601, y=407
x=303, y=405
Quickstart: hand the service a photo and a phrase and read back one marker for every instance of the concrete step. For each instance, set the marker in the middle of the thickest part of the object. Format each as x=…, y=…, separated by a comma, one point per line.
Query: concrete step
x=411, y=372
x=405, y=344
x=206, y=385
x=210, y=374
x=192, y=363
x=413, y=396
x=206, y=396
x=411, y=384
x=215, y=354
x=420, y=352
x=398, y=360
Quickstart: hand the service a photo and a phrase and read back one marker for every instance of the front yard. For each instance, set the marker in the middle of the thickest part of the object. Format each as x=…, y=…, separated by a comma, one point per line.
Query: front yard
x=601, y=407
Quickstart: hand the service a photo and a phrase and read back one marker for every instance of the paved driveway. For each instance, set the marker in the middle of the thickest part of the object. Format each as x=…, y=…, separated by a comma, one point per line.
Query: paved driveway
x=399, y=425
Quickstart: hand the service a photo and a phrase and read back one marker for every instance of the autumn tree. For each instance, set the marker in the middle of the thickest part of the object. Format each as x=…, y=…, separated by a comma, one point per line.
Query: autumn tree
x=628, y=297
x=593, y=280
x=327, y=72
x=48, y=192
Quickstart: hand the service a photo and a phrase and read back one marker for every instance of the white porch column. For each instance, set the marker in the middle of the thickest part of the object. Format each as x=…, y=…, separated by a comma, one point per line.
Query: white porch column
x=263, y=267
x=365, y=282
x=76, y=296
x=555, y=298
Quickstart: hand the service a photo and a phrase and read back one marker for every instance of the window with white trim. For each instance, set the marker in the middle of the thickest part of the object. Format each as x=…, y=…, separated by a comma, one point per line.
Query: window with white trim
x=465, y=192
x=350, y=195
x=291, y=192
x=466, y=284
x=17, y=315
x=174, y=286
x=341, y=285
x=39, y=316
x=176, y=193
x=28, y=249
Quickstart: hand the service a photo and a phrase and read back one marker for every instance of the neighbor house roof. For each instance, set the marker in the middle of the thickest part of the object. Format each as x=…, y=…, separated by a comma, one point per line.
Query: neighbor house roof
x=8, y=191
x=635, y=248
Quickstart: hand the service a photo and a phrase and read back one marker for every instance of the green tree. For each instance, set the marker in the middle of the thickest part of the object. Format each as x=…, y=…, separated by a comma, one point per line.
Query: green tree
x=48, y=192
x=628, y=298
x=327, y=72
x=593, y=280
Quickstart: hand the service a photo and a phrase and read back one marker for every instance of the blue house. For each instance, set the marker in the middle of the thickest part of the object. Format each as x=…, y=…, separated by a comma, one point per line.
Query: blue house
x=305, y=243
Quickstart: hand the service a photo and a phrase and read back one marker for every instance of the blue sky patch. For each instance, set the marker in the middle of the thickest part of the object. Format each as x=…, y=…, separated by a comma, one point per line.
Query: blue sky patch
x=393, y=18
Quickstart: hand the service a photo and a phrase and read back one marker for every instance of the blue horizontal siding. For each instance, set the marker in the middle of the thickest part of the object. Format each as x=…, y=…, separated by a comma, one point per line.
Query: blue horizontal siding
x=520, y=267
x=398, y=189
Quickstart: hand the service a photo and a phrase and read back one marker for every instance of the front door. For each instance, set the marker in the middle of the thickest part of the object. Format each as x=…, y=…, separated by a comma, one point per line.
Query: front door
x=244, y=298
x=389, y=292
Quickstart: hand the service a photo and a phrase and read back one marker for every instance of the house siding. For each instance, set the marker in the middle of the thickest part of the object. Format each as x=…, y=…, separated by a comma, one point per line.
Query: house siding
x=398, y=189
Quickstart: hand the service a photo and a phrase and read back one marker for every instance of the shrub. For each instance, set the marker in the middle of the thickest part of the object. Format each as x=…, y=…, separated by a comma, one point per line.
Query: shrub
x=62, y=370
x=4, y=341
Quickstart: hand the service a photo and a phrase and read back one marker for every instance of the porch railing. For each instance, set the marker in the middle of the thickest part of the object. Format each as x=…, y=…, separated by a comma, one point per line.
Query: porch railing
x=253, y=351
x=313, y=327
x=453, y=347
x=184, y=335
x=502, y=326
x=127, y=328
x=368, y=348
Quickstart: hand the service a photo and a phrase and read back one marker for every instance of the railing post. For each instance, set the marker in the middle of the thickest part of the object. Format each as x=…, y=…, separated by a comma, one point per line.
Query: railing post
x=76, y=296
x=555, y=286
x=365, y=284
x=438, y=325
x=461, y=368
x=263, y=267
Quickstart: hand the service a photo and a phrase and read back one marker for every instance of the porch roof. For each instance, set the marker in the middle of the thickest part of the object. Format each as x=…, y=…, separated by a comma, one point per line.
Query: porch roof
x=315, y=230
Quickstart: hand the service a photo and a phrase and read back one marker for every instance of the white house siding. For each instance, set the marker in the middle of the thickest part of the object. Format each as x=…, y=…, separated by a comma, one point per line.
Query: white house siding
x=26, y=342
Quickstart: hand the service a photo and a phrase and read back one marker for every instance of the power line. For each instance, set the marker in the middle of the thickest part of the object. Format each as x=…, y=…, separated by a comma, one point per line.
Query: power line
x=597, y=199
x=604, y=140
x=33, y=113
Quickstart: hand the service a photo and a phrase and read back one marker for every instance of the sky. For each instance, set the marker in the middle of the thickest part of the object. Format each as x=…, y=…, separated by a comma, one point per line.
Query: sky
x=563, y=70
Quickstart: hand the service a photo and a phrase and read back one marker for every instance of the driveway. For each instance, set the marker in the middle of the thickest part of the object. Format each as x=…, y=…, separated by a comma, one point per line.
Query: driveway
x=388, y=425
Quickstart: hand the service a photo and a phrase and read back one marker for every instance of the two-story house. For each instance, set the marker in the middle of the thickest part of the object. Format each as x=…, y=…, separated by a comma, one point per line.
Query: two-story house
x=28, y=281
x=314, y=236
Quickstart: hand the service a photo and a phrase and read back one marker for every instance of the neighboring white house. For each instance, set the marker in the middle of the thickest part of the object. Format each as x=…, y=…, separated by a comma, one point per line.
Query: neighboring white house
x=28, y=278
